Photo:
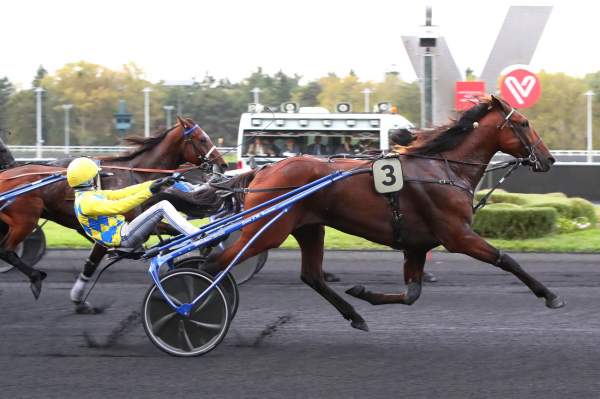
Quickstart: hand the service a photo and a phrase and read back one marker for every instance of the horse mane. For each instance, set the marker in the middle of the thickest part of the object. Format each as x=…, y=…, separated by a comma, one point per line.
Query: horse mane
x=446, y=137
x=144, y=144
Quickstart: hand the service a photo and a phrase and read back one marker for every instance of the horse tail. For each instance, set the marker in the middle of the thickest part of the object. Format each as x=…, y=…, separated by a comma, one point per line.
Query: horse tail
x=209, y=199
x=235, y=186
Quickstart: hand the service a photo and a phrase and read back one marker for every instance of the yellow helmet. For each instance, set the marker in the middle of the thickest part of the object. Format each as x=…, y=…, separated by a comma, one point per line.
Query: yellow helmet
x=80, y=171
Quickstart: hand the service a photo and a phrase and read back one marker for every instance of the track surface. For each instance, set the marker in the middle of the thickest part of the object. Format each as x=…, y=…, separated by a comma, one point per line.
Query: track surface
x=476, y=333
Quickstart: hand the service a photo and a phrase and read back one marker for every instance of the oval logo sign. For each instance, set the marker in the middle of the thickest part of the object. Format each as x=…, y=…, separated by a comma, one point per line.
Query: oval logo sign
x=520, y=87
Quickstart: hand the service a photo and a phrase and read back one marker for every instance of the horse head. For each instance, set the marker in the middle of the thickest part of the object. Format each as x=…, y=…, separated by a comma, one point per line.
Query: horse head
x=198, y=147
x=518, y=138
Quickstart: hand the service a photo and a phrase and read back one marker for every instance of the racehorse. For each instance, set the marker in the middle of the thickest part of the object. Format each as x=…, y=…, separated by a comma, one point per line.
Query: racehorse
x=184, y=142
x=441, y=170
x=7, y=160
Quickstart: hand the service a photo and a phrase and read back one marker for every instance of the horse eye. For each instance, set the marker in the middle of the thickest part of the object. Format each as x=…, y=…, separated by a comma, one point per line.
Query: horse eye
x=202, y=140
x=525, y=124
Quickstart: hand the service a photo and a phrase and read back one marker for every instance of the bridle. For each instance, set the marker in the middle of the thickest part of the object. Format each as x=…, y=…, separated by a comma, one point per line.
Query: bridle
x=204, y=158
x=521, y=135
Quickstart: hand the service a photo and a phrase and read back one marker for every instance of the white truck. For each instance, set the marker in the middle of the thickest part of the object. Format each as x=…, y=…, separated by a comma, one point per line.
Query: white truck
x=266, y=136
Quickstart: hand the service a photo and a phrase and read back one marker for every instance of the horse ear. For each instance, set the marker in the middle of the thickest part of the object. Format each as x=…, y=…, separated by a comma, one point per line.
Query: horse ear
x=180, y=120
x=496, y=102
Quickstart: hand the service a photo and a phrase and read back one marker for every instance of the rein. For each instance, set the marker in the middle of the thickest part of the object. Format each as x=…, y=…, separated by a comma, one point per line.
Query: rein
x=141, y=170
x=149, y=170
x=512, y=165
x=483, y=201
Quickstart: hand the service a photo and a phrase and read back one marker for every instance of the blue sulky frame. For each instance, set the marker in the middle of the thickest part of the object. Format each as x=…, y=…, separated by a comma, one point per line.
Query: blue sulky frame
x=214, y=231
x=8, y=197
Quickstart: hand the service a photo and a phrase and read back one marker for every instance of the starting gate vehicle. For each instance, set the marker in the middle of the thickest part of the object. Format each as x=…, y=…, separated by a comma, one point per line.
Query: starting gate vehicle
x=265, y=136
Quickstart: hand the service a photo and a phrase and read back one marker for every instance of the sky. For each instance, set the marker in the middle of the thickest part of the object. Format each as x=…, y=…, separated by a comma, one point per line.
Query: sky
x=185, y=39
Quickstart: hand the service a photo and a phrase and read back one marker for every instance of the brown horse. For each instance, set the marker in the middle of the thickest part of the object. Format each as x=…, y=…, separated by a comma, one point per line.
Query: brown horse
x=441, y=170
x=185, y=142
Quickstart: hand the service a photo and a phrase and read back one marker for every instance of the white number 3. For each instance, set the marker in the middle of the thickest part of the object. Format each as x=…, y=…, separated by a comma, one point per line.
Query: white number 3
x=387, y=175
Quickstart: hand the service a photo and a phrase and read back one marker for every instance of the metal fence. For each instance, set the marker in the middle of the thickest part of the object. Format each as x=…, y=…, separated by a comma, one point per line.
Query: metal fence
x=567, y=157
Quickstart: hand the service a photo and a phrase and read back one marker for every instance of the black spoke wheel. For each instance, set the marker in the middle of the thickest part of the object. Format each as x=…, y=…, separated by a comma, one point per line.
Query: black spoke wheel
x=228, y=284
x=246, y=269
x=30, y=250
x=261, y=259
x=35, y=247
x=192, y=335
x=5, y=266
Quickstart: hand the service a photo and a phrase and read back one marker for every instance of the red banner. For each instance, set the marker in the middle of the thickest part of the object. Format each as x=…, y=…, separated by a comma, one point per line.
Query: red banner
x=466, y=94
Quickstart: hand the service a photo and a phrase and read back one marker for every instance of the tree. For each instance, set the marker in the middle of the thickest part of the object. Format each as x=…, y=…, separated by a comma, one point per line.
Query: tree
x=559, y=115
x=405, y=96
x=21, y=118
x=274, y=89
x=335, y=90
x=95, y=91
x=6, y=90
x=470, y=74
x=307, y=95
x=283, y=87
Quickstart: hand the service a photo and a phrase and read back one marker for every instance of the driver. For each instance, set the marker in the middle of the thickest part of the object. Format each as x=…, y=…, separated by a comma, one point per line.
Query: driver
x=100, y=212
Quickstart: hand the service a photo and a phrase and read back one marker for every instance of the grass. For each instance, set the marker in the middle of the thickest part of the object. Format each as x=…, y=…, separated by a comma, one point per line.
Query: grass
x=580, y=241
x=230, y=157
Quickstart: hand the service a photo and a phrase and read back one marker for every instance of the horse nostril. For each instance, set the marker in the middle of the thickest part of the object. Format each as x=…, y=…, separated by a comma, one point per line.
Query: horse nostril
x=551, y=160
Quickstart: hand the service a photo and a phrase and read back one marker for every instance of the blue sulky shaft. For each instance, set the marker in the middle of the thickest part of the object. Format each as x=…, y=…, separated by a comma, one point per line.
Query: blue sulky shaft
x=337, y=175
x=9, y=196
x=223, y=227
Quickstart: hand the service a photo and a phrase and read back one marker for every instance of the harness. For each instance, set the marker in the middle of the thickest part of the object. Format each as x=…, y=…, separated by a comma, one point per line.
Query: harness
x=197, y=151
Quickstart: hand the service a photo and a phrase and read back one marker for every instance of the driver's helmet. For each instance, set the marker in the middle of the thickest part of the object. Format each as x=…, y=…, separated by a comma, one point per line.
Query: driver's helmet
x=81, y=172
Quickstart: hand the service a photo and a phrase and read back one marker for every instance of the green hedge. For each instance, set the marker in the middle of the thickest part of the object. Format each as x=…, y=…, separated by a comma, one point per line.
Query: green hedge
x=510, y=221
x=570, y=208
x=512, y=215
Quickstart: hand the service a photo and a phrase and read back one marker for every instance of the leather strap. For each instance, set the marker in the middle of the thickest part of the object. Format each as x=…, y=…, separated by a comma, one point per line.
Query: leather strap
x=143, y=170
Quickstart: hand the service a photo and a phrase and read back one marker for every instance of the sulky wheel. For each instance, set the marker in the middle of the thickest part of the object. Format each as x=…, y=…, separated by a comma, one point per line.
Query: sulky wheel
x=5, y=266
x=228, y=284
x=30, y=250
x=246, y=269
x=35, y=247
x=180, y=335
x=261, y=259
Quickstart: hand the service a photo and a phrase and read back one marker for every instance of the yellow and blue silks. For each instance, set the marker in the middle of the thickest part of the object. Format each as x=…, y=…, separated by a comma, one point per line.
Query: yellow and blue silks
x=100, y=211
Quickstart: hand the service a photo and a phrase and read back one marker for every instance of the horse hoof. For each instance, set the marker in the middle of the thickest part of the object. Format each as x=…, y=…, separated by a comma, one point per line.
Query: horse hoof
x=357, y=291
x=36, y=288
x=555, y=303
x=36, y=283
x=87, y=308
x=360, y=325
x=429, y=277
x=330, y=277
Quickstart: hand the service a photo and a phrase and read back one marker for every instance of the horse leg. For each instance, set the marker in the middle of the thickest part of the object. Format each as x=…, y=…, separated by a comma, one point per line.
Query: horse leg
x=15, y=235
x=413, y=278
x=471, y=244
x=79, y=287
x=311, y=239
